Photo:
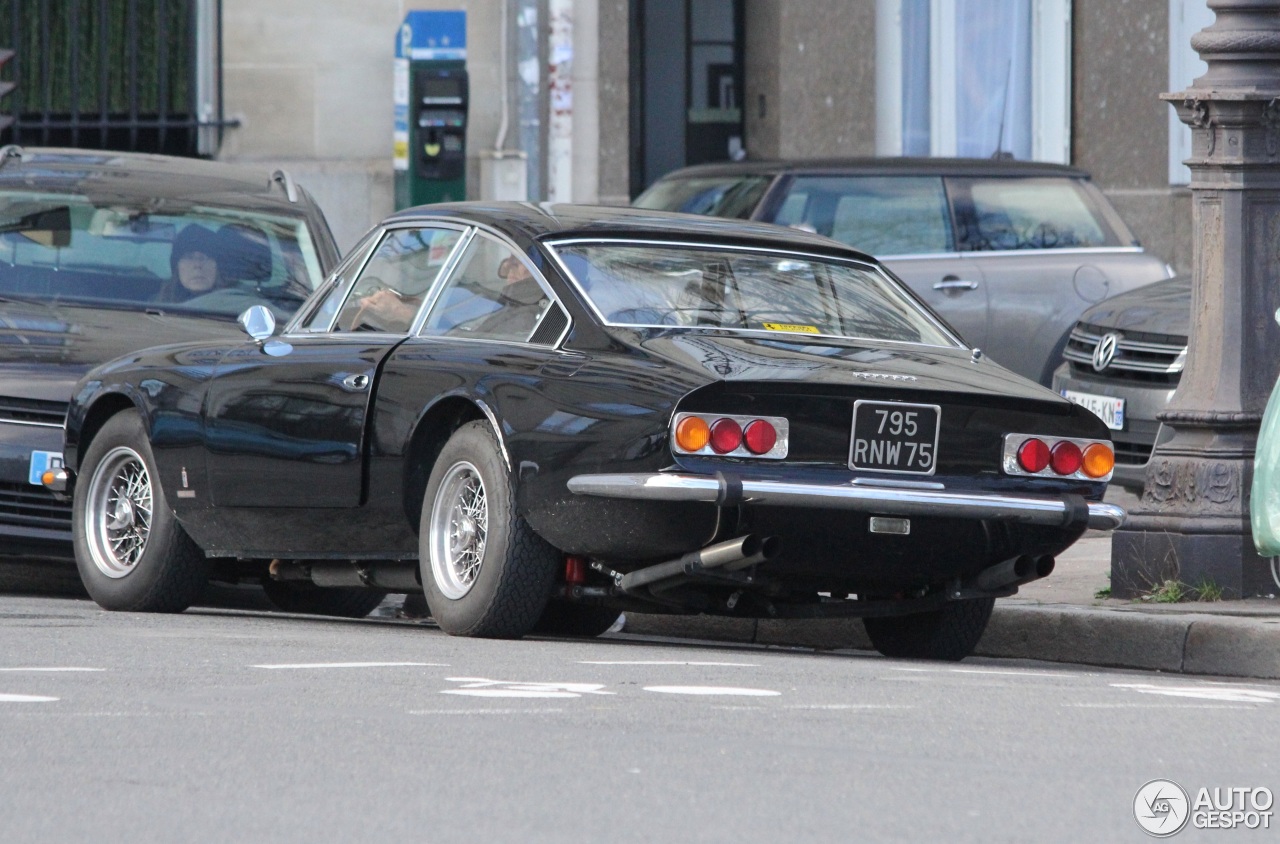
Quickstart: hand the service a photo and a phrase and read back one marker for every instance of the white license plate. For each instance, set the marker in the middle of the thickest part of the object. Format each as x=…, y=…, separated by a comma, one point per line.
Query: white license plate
x=1107, y=408
x=41, y=462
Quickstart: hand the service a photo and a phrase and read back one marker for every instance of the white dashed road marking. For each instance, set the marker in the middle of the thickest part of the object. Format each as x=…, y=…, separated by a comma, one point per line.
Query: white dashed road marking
x=1219, y=693
x=712, y=690
x=25, y=699
x=668, y=662
x=356, y=665
x=482, y=687
x=484, y=711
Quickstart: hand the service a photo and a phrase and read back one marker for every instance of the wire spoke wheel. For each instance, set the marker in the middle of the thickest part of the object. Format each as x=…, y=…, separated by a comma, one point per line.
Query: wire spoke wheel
x=459, y=530
x=119, y=511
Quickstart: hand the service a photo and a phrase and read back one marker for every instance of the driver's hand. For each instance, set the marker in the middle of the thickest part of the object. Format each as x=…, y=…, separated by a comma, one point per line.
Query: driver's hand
x=387, y=308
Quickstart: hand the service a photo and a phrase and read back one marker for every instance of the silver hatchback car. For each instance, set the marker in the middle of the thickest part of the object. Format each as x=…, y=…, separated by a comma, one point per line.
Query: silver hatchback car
x=1009, y=252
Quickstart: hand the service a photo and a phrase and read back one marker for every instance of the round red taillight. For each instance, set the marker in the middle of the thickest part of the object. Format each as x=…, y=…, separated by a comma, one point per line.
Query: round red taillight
x=726, y=435
x=1033, y=455
x=1066, y=458
x=760, y=437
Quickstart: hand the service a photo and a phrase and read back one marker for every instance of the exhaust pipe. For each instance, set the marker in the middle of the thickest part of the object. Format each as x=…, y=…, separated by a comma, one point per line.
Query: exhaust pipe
x=769, y=549
x=1013, y=572
x=726, y=555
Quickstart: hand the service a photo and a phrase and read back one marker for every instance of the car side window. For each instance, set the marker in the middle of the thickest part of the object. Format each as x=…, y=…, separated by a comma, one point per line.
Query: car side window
x=395, y=281
x=880, y=215
x=1028, y=213
x=493, y=294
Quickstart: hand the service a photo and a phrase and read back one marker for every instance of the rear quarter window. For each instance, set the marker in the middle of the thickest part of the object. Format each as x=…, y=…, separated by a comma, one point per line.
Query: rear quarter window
x=999, y=214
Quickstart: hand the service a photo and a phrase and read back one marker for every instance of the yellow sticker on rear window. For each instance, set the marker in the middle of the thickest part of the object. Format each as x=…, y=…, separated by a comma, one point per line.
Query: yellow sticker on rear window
x=786, y=326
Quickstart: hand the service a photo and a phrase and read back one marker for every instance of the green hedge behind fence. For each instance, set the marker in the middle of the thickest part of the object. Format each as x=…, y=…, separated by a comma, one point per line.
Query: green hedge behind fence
x=91, y=48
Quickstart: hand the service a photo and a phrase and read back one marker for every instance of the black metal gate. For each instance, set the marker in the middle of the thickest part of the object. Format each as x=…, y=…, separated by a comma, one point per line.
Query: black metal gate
x=134, y=75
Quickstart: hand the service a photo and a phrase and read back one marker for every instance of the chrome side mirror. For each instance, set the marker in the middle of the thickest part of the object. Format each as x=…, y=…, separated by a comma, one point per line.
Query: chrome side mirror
x=258, y=322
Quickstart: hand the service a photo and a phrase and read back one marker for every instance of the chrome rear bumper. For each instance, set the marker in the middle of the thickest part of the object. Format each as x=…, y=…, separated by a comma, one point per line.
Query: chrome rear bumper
x=886, y=500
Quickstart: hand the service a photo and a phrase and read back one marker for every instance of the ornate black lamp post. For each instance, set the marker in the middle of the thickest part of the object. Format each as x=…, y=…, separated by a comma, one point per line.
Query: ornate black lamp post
x=1193, y=522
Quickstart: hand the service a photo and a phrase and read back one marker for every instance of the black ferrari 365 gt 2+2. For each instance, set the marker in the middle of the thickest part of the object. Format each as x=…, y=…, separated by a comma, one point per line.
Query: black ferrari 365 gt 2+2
x=541, y=415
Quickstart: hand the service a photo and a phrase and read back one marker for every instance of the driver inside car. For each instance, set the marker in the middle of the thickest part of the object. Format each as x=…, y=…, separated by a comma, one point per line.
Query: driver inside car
x=193, y=265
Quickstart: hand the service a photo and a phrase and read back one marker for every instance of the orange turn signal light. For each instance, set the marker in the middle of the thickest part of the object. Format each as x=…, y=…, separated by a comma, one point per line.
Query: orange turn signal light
x=47, y=477
x=692, y=433
x=1098, y=461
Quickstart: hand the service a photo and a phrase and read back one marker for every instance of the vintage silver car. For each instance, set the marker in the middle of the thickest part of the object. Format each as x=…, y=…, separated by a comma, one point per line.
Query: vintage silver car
x=1009, y=252
x=1123, y=361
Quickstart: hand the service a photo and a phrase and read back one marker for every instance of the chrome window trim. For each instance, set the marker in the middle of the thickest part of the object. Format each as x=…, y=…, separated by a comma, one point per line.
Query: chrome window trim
x=452, y=265
x=908, y=298
x=1005, y=253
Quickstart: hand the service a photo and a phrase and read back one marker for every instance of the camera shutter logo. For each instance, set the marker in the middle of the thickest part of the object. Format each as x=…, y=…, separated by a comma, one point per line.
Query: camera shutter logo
x=1105, y=352
x=1161, y=808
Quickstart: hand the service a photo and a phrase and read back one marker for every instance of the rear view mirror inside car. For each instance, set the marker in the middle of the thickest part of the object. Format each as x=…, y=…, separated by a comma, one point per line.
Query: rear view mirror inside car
x=50, y=227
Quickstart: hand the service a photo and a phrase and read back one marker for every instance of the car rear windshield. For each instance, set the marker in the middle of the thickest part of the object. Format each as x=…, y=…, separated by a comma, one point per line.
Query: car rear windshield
x=197, y=260
x=701, y=286
x=715, y=196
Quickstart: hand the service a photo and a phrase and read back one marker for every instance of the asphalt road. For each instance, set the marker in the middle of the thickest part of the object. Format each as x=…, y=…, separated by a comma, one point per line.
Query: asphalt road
x=241, y=725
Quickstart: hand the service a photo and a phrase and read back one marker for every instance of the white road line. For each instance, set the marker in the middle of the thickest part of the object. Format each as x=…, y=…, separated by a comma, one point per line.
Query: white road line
x=523, y=693
x=732, y=691
x=37, y=668
x=1226, y=694
x=1156, y=706
x=26, y=699
x=667, y=662
x=355, y=665
x=484, y=711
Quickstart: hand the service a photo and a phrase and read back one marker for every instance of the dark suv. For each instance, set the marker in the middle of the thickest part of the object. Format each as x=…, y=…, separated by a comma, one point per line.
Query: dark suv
x=1009, y=252
x=103, y=253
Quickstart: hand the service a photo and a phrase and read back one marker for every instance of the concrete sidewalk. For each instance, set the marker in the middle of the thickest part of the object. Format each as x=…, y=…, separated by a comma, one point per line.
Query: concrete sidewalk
x=1057, y=619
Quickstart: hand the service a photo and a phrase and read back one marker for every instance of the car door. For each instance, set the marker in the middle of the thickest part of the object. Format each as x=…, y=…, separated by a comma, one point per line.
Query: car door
x=285, y=422
x=903, y=220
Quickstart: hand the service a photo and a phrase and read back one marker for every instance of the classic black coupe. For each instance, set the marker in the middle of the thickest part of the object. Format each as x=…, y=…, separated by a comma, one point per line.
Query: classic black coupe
x=541, y=415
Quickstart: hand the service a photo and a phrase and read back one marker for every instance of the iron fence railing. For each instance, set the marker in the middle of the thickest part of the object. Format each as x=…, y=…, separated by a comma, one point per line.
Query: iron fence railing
x=136, y=75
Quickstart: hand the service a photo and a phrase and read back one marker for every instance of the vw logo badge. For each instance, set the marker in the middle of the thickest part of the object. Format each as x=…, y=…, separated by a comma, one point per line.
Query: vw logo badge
x=1106, y=351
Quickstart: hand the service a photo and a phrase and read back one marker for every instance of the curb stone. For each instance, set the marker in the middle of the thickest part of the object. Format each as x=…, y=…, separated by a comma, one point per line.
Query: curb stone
x=1187, y=643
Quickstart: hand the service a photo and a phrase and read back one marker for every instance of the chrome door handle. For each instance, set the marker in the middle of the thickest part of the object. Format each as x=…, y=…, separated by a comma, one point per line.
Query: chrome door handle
x=356, y=382
x=956, y=284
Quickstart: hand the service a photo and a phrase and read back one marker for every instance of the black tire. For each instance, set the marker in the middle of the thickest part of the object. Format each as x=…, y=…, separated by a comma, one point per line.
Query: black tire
x=577, y=621
x=949, y=634
x=490, y=579
x=131, y=559
x=337, y=602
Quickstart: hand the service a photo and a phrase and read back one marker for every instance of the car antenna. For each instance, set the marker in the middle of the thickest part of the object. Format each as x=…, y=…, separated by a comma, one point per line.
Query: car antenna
x=1000, y=154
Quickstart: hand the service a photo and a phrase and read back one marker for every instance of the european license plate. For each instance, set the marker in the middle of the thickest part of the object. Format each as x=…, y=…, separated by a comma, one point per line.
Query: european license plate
x=41, y=462
x=895, y=437
x=1107, y=408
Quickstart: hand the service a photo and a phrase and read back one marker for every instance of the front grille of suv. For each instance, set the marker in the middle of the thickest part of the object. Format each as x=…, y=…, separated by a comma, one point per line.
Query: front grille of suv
x=27, y=505
x=31, y=411
x=1140, y=357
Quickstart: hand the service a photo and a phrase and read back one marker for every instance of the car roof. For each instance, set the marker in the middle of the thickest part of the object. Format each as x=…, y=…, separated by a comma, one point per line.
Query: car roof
x=125, y=176
x=541, y=221
x=884, y=166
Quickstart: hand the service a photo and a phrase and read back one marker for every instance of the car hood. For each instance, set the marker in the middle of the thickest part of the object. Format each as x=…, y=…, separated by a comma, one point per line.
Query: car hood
x=45, y=348
x=737, y=357
x=1160, y=308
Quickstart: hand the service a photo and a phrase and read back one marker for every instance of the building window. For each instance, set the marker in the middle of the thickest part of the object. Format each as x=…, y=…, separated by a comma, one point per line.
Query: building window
x=1186, y=18
x=139, y=76
x=974, y=78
